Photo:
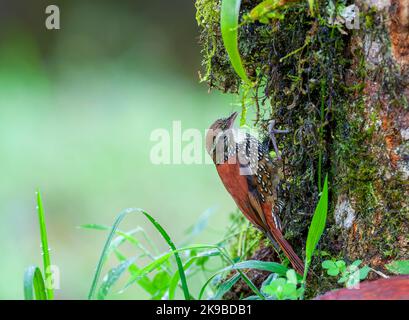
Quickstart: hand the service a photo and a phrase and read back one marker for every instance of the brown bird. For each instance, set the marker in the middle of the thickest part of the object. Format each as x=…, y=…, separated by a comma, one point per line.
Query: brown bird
x=250, y=176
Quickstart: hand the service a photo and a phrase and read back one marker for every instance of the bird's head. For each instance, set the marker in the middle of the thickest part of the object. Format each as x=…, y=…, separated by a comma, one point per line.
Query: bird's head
x=219, y=126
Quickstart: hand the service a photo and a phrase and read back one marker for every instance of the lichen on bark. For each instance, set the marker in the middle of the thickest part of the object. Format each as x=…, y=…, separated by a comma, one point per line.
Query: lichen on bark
x=343, y=94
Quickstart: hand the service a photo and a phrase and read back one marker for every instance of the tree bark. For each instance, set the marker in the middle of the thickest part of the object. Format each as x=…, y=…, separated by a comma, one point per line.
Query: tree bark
x=344, y=95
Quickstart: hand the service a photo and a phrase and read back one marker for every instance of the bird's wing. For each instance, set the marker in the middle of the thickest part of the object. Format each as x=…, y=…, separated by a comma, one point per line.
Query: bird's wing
x=264, y=178
x=237, y=185
x=262, y=171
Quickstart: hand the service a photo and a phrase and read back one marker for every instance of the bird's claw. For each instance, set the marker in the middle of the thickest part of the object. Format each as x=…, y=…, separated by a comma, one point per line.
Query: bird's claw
x=272, y=132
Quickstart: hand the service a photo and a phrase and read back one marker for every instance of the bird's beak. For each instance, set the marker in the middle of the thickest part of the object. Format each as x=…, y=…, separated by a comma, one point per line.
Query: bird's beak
x=230, y=119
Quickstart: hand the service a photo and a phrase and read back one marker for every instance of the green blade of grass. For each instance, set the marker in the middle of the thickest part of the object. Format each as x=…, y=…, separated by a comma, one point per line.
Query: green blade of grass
x=175, y=279
x=177, y=258
x=245, y=279
x=95, y=226
x=226, y=286
x=46, y=251
x=122, y=236
x=259, y=265
x=317, y=226
x=163, y=233
x=199, y=226
x=112, y=277
x=144, y=282
x=229, y=24
x=34, y=288
x=105, y=250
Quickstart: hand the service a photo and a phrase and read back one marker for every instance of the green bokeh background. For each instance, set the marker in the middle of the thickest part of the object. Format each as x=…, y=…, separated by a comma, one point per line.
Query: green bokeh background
x=77, y=107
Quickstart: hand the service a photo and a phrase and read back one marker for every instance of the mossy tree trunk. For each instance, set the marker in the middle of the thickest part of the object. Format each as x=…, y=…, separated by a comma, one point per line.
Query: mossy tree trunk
x=344, y=95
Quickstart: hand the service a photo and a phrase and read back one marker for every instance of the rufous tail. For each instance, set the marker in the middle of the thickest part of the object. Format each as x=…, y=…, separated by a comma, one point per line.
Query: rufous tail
x=277, y=237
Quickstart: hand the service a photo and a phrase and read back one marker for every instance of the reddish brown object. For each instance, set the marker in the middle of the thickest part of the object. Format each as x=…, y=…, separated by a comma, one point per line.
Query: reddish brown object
x=396, y=288
x=250, y=176
x=399, y=30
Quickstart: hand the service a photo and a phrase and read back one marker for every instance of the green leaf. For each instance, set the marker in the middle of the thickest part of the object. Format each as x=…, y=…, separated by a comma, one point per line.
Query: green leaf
x=105, y=251
x=229, y=24
x=143, y=281
x=300, y=292
x=363, y=272
x=266, y=10
x=259, y=265
x=122, y=237
x=317, y=226
x=226, y=286
x=281, y=289
x=245, y=279
x=329, y=264
x=292, y=277
x=34, y=288
x=290, y=291
x=343, y=279
x=44, y=245
x=322, y=253
x=95, y=226
x=112, y=277
x=271, y=277
x=398, y=267
x=356, y=263
x=333, y=272
x=341, y=265
x=352, y=282
x=250, y=298
x=161, y=283
x=275, y=287
x=173, y=247
x=199, y=226
x=175, y=279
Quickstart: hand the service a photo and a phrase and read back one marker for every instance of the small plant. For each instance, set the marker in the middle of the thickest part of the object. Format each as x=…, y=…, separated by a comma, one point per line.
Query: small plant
x=398, y=267
x=37, y=287
x=283, y=288
x=136, y=274
x=159, y=277
x=266, y=11
x=350, y=275
x=229, y=24
x=317, y=227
